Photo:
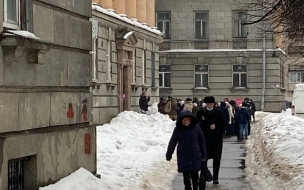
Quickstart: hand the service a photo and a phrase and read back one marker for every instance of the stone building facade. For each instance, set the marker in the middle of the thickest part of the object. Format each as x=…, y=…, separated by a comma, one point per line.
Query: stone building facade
x=126, y=58
x=207, y=51
x=45, y=98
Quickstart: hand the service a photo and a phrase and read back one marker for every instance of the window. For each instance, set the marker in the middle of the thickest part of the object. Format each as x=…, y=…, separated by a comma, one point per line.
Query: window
x=164, y=76
x=239, y=30
x=201, y=75
x=144, y=67
x=239, y=76
x=163, y=23
x=296, y=76
x=152, y=69
x=16, y=174
x=134, y=67
x=18, y=14
x=201, y=25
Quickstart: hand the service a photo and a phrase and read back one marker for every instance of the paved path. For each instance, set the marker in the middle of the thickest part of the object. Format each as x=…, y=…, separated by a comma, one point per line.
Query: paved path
x=231, y=172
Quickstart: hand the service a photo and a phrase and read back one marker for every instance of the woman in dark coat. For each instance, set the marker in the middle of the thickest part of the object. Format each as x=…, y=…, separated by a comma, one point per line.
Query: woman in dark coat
x=212, y=123
x=191, y=149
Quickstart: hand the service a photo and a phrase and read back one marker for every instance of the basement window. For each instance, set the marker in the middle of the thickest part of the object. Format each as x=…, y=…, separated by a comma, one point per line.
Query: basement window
x=16, y=174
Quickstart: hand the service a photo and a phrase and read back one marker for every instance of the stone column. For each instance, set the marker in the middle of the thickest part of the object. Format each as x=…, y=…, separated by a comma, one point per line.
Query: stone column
x=119, y=6
x=141, y=10
x=131, y=8
x=107, y=4
x=150, y=13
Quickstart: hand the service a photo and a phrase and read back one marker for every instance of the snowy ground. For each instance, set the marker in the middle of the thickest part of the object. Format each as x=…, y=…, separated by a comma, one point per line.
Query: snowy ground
x=275, y=156
x=131, y=151
x=131, y=154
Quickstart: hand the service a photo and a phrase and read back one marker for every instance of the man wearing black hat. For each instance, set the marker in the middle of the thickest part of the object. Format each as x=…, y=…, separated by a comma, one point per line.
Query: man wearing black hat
x=212, y=123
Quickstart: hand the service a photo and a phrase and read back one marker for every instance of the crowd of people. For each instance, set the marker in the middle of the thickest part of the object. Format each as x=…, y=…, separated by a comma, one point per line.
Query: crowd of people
x=201, y=125
x=237, y=117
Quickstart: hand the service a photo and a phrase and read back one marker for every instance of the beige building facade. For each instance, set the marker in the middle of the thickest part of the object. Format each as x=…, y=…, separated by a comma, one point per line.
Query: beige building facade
x=125, y=57
x=207, y=51
x=45, y=98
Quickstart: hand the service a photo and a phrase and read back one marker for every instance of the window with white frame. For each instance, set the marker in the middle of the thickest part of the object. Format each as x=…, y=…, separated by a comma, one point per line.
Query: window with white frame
x=18, y=14
x=163, y=20
x=164, y=76
x=201, y=25
x=239, y=29
x=239, y=76
x=201, y=76
x=296, y=76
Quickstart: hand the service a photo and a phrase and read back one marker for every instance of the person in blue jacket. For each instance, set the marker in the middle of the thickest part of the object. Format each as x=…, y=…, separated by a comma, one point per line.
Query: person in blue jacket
x=191, y=148
x=243, y=120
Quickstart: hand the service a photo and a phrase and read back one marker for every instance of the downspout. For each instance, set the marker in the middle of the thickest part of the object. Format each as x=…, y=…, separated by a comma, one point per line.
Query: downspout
x=264, y=60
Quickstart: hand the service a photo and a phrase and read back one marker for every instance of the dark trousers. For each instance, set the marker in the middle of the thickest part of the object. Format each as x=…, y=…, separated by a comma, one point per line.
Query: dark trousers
x=253, y=115
x=216, y=168
x=188, y=177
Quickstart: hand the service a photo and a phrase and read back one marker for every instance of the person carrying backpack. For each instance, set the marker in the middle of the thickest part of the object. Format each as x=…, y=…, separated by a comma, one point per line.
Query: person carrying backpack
x=171, y=108
x=161, y=105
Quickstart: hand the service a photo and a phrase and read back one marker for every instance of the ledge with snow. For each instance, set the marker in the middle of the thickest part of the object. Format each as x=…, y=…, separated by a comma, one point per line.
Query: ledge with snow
x=15, y=42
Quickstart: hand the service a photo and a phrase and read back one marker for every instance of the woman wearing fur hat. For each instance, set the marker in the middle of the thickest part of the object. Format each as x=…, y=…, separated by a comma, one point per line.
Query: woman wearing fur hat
x=212, y=123
x=188, y=105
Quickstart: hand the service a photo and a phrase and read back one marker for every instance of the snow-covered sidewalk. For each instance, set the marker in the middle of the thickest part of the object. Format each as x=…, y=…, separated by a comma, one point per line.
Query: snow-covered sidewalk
x=275, y=156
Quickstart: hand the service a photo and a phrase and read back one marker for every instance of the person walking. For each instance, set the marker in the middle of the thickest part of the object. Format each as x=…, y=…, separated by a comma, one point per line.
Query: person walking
x=253, y=109
x=143, y=102
x=231, y=111
x=191, y=148
x=225, y=111
x=243, y=119
x=161, y=105
x=212, y=123
x=171, y=108
x=188, y=105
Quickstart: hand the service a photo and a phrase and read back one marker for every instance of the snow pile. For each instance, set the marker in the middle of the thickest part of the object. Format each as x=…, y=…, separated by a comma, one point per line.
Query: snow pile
x=131, y=151
x=275, y=156
x=79, y=180
x=300, y=86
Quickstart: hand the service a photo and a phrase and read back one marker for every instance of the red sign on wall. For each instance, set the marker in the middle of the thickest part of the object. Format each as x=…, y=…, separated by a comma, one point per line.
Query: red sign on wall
x=87, y=143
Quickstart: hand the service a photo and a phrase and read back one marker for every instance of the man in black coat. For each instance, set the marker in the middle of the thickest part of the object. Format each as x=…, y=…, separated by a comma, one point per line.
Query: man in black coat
x=191, y=149
x=143, y=102
x=225, y=111
x=212, y=123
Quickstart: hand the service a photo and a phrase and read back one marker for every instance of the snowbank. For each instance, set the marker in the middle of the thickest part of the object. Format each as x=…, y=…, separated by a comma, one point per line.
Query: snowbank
x=131, y=151
x=275, y=156
x=79, y=180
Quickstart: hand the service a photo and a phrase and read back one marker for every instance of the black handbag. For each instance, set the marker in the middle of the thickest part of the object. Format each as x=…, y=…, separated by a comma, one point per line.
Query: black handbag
x=205, y=173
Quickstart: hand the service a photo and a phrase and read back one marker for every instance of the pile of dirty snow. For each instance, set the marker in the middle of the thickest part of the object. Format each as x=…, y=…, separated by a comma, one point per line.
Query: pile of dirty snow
x=275, y=156
x=131, y=151
x=79, y=180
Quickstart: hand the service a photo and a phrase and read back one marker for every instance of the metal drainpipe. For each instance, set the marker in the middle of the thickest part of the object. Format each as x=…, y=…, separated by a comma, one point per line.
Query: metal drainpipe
x=264, y=60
